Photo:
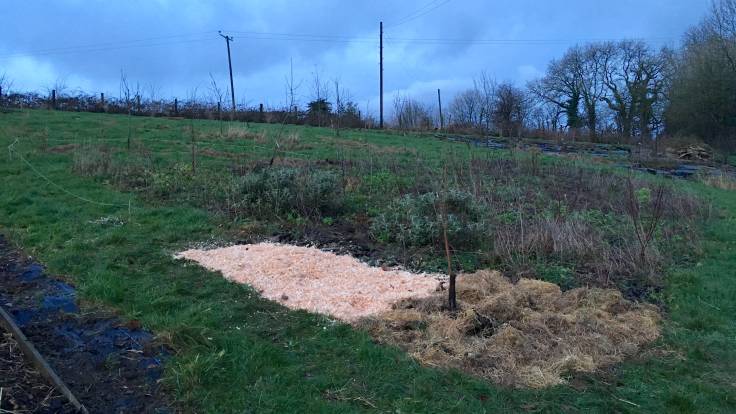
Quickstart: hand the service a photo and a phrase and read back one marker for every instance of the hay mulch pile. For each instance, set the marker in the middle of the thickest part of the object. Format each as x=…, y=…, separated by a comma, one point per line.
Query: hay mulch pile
x=314, y=280
x=528, y=334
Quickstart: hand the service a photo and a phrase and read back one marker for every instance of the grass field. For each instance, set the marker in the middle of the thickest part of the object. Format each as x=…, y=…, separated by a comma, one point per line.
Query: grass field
x=235, y=352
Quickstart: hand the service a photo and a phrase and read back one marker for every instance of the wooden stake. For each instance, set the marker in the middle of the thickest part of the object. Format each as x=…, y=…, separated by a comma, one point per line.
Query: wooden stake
x=451, y=294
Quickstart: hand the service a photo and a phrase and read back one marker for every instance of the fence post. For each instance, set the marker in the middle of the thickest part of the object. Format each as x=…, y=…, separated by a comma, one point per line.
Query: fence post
x=102, y=101
x=260, y=113
x=176, y=106
x=53, y=99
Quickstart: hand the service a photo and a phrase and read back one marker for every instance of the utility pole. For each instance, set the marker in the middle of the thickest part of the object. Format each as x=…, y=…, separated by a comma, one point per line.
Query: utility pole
x=228, y=39
x=380, y=123
x=439, y=102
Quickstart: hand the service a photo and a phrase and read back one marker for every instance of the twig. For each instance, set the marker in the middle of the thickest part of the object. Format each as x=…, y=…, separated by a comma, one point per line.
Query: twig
x=627, y=402
x=708, y=304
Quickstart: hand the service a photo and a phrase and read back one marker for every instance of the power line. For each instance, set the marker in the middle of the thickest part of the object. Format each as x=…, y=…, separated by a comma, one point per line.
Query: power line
x=301, y=35
x=501, y=42
x=99, y=48
x=422, y=11
x=190, y=38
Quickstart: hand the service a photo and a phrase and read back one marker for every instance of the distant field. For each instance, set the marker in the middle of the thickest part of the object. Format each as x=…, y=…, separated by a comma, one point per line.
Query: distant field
x=129, y=192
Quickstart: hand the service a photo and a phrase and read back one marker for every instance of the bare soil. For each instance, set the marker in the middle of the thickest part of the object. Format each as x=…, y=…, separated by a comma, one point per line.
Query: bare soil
x=110, y=365
x=23, y=388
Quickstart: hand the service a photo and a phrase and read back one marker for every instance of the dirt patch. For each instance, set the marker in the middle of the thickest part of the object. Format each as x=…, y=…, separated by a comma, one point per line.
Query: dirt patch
x=24, y=389
x=62, y=149
x=220, y=154
x=348, y=144
x=110, y=365
x=314, y=280
x=528, y=334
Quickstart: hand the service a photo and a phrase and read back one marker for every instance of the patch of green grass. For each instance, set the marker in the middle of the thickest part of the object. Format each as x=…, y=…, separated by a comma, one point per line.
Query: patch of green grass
x=235, y=352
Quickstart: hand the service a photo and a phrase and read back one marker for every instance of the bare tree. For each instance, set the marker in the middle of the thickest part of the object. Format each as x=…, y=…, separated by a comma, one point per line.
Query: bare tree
x=561, y=86
x=291, y=89
x=153, y=101
x=125, y=96
x=410, y=114
x=590, y=62
x=5, y=84
x=486, y=88
x=125, y=91
x=722, y=23
x=217, y=95
x=466, y=109
x=702, y=90
x=343, y=105
x=510, y=109
x=633, y=76
x=320, y=92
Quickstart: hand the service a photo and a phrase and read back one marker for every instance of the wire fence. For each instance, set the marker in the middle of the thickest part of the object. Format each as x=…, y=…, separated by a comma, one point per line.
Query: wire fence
x=13, y=151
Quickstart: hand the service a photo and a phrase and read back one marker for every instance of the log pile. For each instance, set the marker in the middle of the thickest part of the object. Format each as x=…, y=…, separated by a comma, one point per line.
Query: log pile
x=694, y=153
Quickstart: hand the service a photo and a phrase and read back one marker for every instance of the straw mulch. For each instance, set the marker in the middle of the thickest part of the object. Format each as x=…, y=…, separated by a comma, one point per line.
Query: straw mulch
x=528, y=334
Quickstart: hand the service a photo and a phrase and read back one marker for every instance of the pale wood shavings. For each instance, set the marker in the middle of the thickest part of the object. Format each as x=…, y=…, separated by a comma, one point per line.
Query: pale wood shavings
x=314, y=280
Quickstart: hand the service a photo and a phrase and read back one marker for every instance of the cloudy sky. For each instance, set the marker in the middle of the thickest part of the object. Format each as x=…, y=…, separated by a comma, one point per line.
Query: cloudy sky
x=172, y=46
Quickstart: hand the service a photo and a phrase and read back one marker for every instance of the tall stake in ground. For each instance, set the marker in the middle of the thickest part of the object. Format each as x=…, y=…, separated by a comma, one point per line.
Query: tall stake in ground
x=451, y=295
x=439, y=102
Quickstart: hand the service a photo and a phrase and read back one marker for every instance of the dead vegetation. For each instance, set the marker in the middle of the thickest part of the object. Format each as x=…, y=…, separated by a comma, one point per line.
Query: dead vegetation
x=722, y=181
x=237, y=133
x=528, y=334
x=348, y=144
x=62, y=149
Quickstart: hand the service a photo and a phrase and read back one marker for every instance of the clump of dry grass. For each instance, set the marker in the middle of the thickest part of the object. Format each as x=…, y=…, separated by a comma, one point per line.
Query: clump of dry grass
x=528, y=334
x=234, y=133
x=722, y=181
x=348, y=144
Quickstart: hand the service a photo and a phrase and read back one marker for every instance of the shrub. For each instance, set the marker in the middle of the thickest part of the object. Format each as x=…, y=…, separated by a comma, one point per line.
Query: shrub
x=283, y=191
x=416, y=221
x=92, y=161
x=175, y=180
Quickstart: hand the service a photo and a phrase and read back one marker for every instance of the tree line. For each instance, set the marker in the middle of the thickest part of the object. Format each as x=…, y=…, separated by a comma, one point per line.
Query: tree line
x=624, y=91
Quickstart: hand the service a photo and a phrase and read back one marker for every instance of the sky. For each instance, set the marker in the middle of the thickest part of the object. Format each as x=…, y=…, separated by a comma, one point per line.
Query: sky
x=171, y=48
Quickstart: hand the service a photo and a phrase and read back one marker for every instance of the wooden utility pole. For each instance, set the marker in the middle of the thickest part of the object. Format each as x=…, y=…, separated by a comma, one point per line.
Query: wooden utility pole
x=228, y=39
x=380, y=123
x=439, y=102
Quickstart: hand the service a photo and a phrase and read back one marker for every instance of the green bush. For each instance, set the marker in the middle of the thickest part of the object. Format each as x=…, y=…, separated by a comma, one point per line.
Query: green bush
x=283, y=191
x=175, y=180
x=416, y=220
x=383, y=183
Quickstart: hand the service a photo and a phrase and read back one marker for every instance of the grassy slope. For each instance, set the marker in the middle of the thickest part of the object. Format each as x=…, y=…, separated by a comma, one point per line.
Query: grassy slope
x=238, y=353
